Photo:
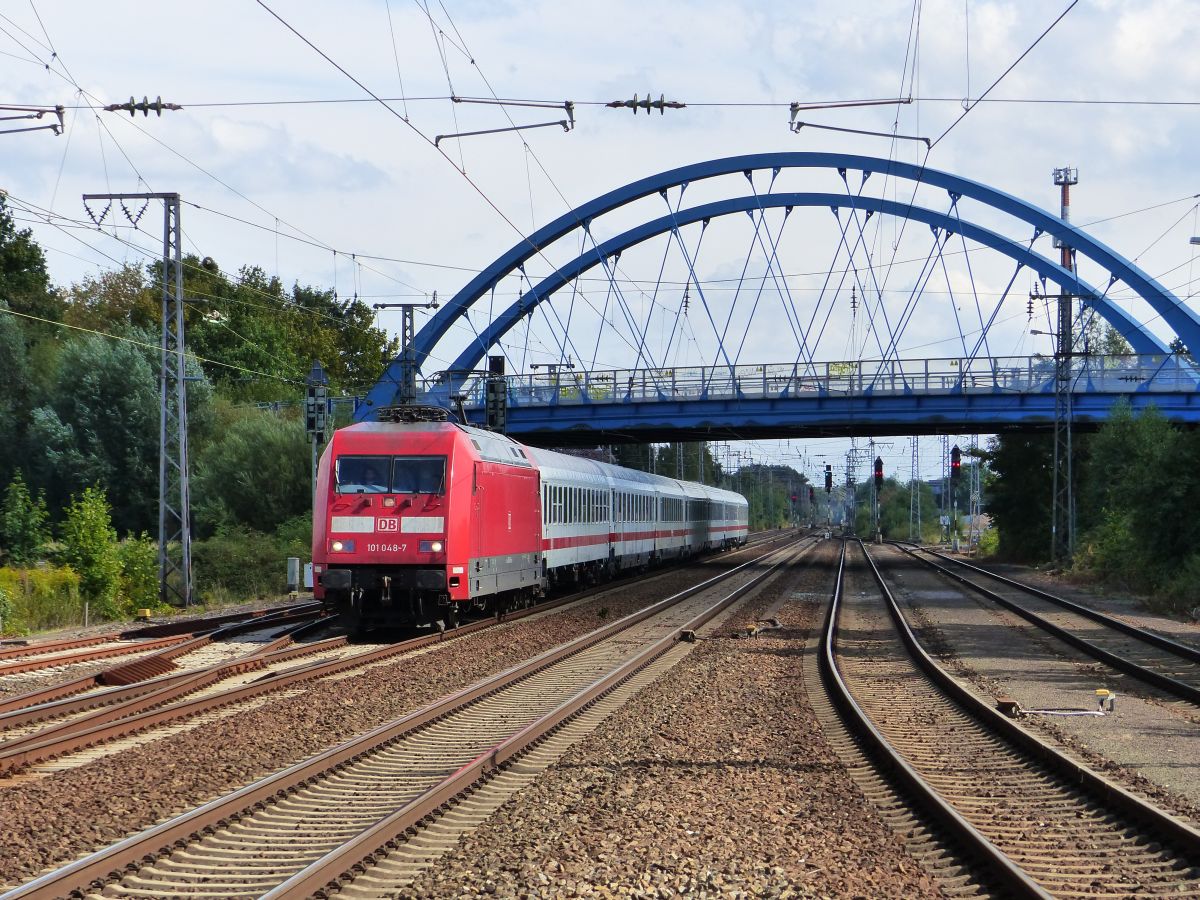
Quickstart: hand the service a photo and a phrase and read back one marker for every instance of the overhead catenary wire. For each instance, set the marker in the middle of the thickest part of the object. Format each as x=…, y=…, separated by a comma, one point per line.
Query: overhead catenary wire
x=145, y=344
x=726, y=104
x=621, y=279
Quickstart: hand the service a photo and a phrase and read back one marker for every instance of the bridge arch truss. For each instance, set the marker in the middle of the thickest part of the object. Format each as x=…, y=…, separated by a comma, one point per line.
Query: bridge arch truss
x=939, y=224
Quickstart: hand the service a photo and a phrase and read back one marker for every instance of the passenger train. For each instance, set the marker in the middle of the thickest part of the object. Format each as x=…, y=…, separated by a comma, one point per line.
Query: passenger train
x=417, y=522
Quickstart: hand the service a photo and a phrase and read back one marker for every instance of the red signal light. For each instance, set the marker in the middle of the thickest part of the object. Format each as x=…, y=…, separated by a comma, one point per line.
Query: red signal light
x=955, y=462
x=878, y=472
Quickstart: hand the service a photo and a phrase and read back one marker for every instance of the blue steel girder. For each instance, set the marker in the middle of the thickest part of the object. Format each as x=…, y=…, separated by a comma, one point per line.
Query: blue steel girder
x=1141, y=340
x=1182, y=320
x=826, y=415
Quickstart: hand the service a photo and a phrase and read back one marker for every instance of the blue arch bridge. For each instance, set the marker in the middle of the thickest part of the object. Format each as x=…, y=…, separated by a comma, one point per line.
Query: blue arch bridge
x=844, y=354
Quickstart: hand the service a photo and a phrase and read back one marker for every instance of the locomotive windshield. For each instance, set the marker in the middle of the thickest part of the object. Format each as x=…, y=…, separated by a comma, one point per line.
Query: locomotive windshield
x=419, y=475
x=391, y=474
x=362, y=474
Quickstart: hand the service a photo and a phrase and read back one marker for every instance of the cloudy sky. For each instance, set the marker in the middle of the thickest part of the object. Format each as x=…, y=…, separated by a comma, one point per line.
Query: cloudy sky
x=354, y=195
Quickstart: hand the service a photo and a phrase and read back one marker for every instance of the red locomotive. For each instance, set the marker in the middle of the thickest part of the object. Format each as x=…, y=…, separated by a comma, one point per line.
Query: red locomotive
x=415, y=522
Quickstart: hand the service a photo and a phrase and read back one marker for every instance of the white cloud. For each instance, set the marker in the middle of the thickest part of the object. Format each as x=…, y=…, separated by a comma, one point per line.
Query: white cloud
x=355, y=177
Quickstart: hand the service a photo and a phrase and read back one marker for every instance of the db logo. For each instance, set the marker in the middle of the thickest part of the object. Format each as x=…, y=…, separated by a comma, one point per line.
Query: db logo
x=387, y=524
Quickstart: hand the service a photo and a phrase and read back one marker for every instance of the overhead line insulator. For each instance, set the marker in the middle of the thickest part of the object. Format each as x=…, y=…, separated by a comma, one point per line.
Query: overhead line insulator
x=145, y=106
x=662, y=104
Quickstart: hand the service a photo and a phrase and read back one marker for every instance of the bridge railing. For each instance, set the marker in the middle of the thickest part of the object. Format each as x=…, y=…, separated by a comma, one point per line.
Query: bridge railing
x=847, y=378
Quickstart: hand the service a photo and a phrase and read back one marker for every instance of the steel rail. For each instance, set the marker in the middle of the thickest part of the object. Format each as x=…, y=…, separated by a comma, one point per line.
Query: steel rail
x=995, y=861
x=1192, y=654
x=1111, y=795
x=88, y=655
x=98, y=866
x=130, y=708
x=329, y=869
x=154, y=702
x=24, y=648
x=166, y=629
x=176, y=646
x=1174, y=686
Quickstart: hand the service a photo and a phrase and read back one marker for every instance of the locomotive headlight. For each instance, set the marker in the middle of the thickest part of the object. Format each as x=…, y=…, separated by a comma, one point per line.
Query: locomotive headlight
x=431, y=546
x=436, y=546
x=341, y=546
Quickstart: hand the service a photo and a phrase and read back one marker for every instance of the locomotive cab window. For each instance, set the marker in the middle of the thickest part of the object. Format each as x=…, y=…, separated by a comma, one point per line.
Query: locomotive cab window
x=362, y=474
x=419, y=475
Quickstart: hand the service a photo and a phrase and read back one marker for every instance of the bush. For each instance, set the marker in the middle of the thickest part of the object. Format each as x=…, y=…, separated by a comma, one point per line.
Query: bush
x=41, y=598
x=989, y=542
x=239, y=564
x=138, y=586
x=6, y=611
x=23, y=522
x=1182, y=593
x=90, y=548
x=1111, y=552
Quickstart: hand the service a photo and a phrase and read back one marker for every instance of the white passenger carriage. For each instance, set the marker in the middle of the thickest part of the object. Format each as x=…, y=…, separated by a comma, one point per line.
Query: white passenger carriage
x=598, y=519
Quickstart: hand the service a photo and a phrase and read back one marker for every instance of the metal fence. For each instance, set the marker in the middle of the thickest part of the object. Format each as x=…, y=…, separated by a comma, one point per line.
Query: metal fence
x=1009, y=375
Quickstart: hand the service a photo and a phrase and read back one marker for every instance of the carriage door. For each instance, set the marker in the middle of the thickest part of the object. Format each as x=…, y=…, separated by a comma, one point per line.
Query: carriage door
x=478, y=530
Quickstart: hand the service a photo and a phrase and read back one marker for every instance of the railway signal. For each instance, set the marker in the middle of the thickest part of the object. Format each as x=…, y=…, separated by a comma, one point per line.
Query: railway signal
x=955, y=463
x=828, y=478
x=315, y=403
x=316, y=412
x=878, y=472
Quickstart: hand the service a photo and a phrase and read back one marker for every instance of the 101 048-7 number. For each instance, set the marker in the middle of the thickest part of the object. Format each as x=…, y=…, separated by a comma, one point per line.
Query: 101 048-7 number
x=386, y=548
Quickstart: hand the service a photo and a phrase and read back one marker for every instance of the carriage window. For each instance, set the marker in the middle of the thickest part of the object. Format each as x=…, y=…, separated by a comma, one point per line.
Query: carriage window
x=362, y=474
x=419, y=475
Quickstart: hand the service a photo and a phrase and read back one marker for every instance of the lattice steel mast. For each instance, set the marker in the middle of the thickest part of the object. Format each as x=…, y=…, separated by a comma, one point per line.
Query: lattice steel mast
x=174, y=490
x=914, y=493
x=1062, y=525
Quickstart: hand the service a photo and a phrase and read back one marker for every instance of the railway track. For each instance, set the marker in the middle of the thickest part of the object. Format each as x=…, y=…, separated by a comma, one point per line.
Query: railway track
x=1167, y=665
x=51, y=673
x=76, y=730
x=294, y=833
x=1035, y=822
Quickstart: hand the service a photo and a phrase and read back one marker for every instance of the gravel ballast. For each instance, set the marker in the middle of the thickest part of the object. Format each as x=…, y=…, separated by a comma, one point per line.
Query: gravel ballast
x=66, y=814
x=1151, y=742
x=714, y=781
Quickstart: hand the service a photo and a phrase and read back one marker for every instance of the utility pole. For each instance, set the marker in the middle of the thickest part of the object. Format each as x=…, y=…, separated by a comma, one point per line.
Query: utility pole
x=408, y=349
x=1062, y=526
x=974, y=532
x=914, y=493
x=174, y=490
x=944, y=521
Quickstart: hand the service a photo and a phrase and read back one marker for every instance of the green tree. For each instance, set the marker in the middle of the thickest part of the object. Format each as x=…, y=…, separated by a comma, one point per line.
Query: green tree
x=1018, y=483
x=24, y=282
x=254, y=324
x=90, y=548
x=257, y=475
x=23, y=522
x=694, y=456
x=114, y=301
x=101, y=427
x=16, y=398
